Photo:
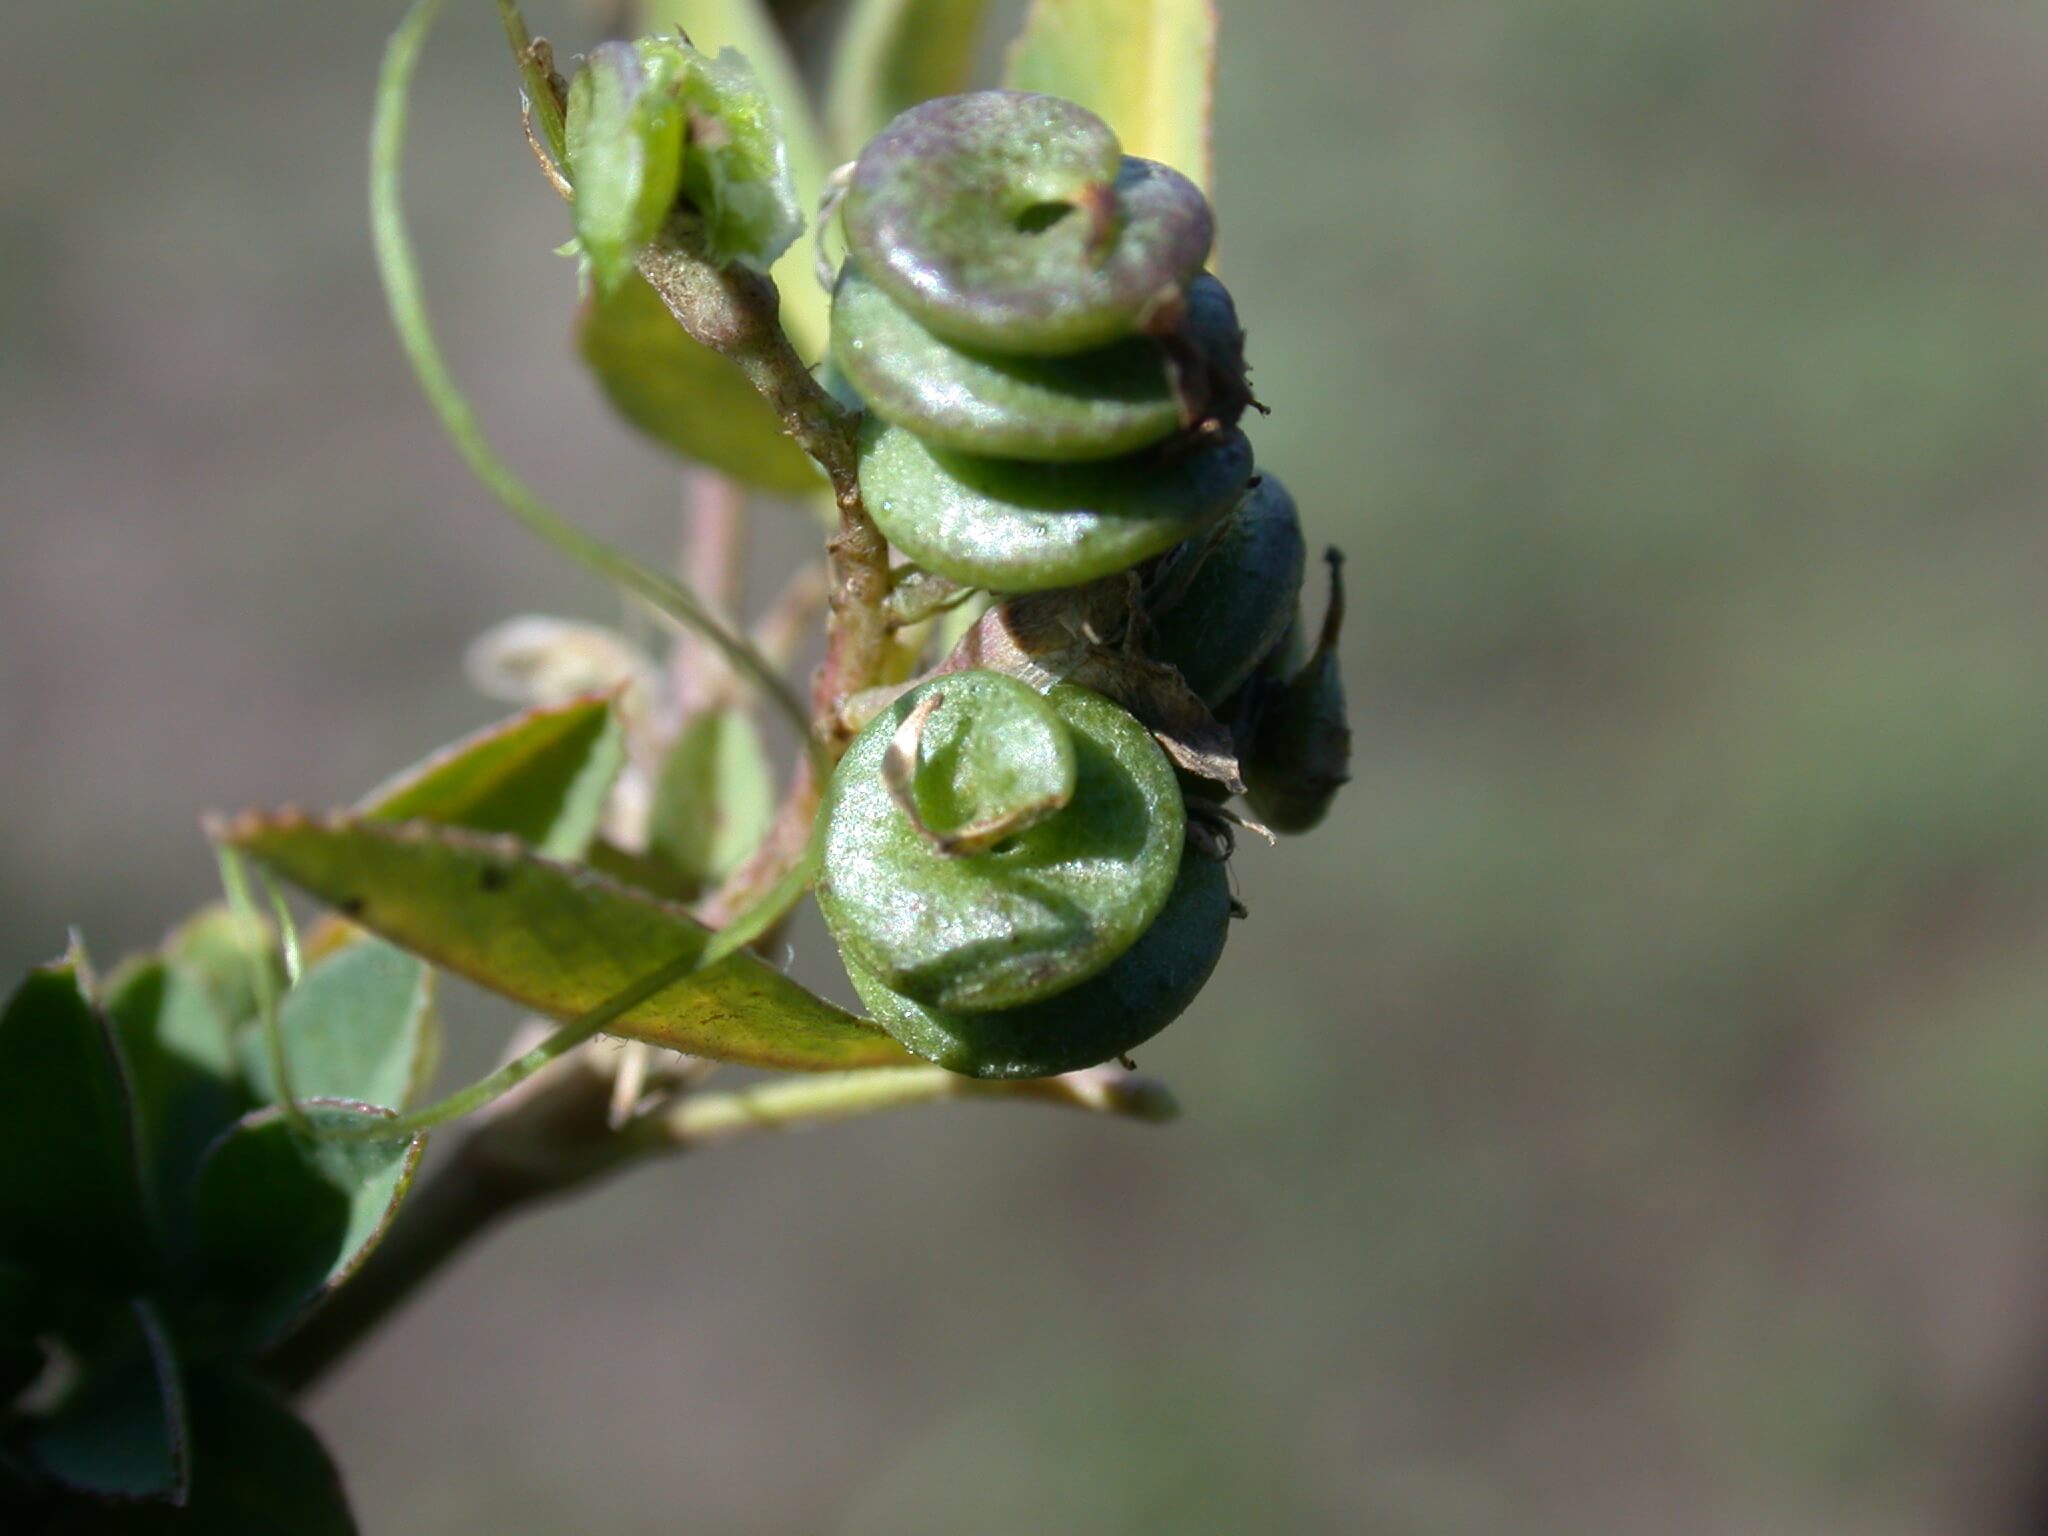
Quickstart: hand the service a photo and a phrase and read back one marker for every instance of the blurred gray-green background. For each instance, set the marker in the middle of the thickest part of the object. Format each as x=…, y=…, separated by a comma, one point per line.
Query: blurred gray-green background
x=1630, y=1114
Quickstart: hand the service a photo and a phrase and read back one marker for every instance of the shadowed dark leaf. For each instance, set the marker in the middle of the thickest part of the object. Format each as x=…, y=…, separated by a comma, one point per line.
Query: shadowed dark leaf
x=283, y=1215
x=71, y=1200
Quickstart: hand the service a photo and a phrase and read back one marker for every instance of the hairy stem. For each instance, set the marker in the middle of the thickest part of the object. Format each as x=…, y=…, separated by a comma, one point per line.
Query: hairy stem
x=734, y=311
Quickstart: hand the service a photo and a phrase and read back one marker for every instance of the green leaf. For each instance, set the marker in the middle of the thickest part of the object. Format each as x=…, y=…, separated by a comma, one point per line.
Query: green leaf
x=736, y=173
x=747, y=26
x=1145, y=67
x=892, y=54
x=713, y=799
x=125, y=1435
x=71, y=1197
x=684, y=395
x=256, y=1468
x=625, y=141
x=283, y=1215
x=559, y=939
x=542, y=776
x=359, y=1026
x=641, y=871
x=181, y=1068
x=222, y=950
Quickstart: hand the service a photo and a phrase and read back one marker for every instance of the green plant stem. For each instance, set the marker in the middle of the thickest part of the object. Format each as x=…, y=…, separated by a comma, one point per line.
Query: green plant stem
x=793, y=1102
x=554, y=1136
x=405, y=293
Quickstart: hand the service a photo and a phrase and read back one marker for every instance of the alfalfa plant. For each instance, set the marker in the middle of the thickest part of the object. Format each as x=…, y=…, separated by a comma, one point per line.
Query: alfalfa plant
x=1062, y=633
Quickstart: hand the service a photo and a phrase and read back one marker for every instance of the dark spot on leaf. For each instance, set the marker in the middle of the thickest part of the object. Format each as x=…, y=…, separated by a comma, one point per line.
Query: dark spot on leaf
x=352, y=906
x=492, y=878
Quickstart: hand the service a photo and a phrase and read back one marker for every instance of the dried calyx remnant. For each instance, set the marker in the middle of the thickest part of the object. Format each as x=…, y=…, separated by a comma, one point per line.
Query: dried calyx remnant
x=1023, y=855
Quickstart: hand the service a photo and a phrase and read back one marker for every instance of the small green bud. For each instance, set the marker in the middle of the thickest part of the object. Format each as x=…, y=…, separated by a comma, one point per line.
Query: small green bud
x=736, y=170
x=625, y=141
x=656, y=121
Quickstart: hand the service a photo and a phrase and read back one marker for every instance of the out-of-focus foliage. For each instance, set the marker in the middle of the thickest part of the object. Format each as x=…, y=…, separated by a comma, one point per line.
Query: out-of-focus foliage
x=892, y=54
x=162, y=1218
x=1146, y=67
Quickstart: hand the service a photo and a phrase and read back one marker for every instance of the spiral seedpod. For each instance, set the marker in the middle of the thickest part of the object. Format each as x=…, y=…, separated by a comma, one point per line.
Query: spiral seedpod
x=1052, y=382
x=1007, y=876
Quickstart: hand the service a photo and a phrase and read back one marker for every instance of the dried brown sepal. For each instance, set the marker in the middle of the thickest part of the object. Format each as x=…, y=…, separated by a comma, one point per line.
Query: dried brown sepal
x=899, y=776
x=1075, y=636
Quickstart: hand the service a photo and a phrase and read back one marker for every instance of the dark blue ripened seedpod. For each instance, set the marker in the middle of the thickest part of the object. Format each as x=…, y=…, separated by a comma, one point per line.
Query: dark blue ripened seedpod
x=1218, y=604
x=1300, y=740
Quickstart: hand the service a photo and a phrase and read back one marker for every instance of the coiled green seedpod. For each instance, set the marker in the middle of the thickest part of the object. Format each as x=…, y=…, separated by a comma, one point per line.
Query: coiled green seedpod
x=1012, y=526
x=1100, y=404
x=987, y=845
x=1052, y=383
x=1219, y=604
x=1299, y=753
x=989, y=849
x=1147, y=988
x=1014, y=221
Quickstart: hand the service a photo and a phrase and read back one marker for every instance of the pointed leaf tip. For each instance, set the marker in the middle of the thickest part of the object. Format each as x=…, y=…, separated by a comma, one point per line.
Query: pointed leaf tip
x=542, y=776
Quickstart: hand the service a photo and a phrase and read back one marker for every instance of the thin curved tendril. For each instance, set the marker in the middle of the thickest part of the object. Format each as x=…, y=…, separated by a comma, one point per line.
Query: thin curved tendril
x=234, y=880
x=403, y=291
x=746, y=927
